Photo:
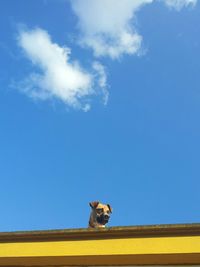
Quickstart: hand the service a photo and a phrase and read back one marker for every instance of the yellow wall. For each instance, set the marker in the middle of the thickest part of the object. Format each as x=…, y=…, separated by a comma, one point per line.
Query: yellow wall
x=159, y=250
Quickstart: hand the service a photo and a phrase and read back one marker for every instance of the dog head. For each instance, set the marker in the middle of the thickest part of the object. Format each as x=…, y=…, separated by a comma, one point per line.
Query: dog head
x=100, y=214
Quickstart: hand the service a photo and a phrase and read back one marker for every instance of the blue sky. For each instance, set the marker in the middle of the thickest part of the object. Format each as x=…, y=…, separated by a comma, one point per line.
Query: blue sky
x=99, y=102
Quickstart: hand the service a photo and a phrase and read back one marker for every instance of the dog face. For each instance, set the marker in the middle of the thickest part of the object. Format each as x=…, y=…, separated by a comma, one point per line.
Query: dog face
x=100, y=214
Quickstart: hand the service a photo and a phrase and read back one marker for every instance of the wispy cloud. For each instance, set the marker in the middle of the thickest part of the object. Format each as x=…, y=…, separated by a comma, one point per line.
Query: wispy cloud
x=178, y=4
x=58, y=76
x=109, y=26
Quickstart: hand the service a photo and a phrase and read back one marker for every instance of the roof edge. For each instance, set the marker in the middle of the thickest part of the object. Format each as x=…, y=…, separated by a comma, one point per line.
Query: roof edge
x=102, y=233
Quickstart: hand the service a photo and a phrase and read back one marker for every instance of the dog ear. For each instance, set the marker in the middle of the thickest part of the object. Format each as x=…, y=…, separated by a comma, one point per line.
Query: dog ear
x=94, y=204
x=110, y=209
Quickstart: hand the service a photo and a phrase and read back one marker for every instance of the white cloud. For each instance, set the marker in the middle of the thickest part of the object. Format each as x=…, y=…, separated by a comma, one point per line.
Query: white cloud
x=59, y=77
x=106, y=25
x=178, y=4
x=109, y=26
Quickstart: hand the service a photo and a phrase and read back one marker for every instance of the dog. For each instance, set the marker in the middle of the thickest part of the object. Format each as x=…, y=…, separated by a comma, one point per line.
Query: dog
x=100, y=214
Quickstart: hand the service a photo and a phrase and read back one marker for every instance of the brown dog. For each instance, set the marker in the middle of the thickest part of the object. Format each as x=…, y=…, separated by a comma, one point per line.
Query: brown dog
x=100, y=214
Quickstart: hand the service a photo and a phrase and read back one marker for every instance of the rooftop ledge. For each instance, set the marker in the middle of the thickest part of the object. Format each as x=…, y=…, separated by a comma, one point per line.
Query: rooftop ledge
x=102, y=233
x=177, y=244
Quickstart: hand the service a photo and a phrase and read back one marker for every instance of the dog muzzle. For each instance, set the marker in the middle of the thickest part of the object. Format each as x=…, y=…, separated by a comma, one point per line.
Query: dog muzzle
x=103, y=218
